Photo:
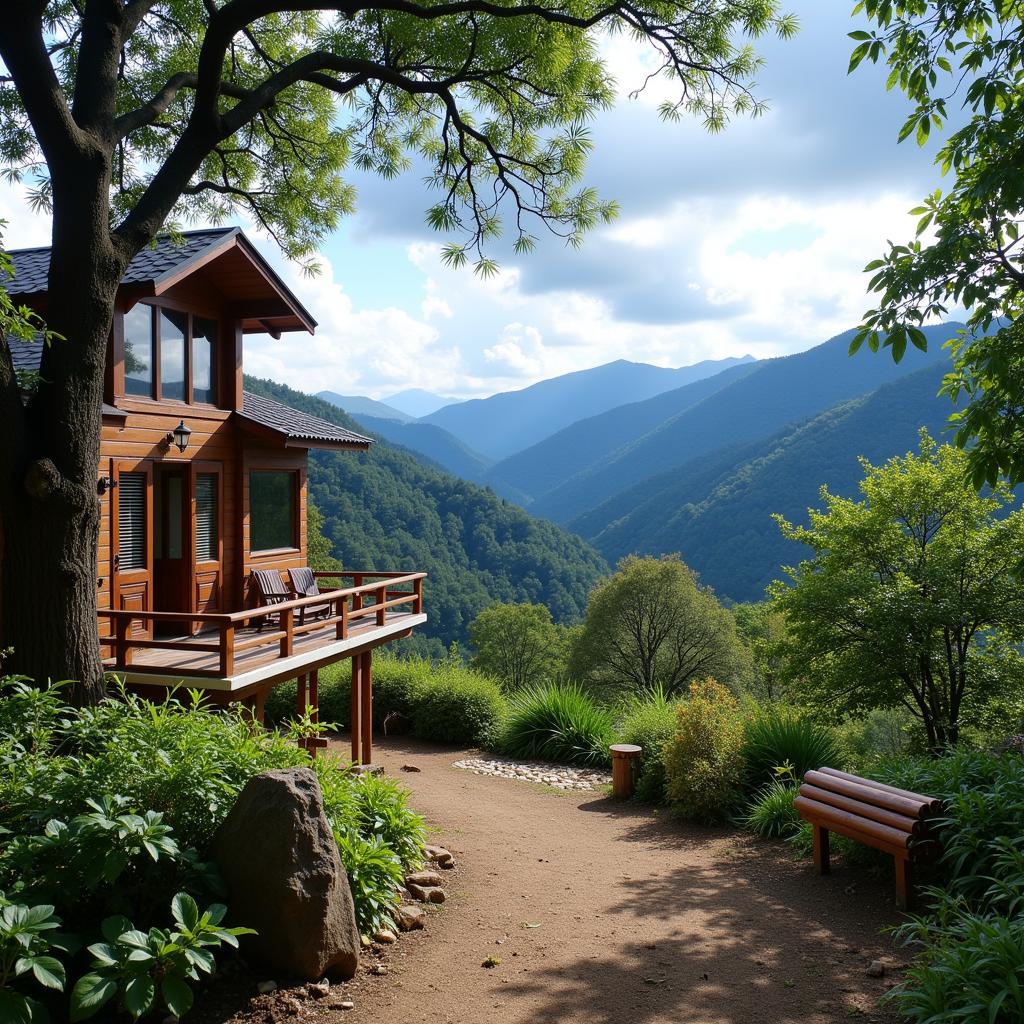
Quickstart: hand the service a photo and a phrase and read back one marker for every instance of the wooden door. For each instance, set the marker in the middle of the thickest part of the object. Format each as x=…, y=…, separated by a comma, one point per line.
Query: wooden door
x=207, y=531
x=131, y=542
x=172, y=561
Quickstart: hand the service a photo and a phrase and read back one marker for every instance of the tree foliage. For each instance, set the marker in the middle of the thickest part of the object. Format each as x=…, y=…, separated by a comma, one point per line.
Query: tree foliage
x=961, y=60
x=650, y=625
x=518, y=644
x=913, y=594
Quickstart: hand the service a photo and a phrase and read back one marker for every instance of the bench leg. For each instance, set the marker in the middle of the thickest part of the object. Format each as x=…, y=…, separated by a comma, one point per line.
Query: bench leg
x=904, y=884
x=821, y=853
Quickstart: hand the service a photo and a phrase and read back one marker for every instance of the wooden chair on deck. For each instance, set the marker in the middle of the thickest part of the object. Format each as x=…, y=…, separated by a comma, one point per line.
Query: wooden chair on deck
x=271, y=589
x=305, y=585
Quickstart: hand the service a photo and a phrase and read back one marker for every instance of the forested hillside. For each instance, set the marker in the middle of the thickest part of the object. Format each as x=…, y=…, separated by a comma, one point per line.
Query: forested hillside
x=779, y=392
x=386, y=509
x=716, y=512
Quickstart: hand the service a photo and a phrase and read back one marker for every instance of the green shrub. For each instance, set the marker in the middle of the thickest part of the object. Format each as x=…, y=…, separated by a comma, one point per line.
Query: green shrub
x=109, y=812
x=558, y=723
x=704, y=757
x=771, y=813
x=649, y=721
x=458, y=706
x=776, y=736
x=444, y=702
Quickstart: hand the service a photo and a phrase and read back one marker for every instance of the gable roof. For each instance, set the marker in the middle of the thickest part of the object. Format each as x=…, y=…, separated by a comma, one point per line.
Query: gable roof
x=159, y=266
x=299, y=429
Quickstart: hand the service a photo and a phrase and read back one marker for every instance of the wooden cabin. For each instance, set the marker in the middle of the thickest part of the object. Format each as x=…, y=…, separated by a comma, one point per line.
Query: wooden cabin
x=201, y=484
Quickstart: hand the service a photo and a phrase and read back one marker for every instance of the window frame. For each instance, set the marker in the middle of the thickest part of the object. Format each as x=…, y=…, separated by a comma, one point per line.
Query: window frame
x=190, y=313
x=296, y=493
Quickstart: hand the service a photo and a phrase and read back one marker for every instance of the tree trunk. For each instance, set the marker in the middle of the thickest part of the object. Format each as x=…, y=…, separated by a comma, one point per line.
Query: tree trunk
x=49, y=504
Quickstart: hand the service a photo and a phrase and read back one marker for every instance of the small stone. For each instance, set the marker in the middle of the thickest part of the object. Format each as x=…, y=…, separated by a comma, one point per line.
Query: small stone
x=379, y=969
x=264, y=988
x=411, y=768
x=435, y=894
x=385, y=937
x=319, y=989
x=876, y=969
x=346, y=1004
x=423, y=878
x=410, y=917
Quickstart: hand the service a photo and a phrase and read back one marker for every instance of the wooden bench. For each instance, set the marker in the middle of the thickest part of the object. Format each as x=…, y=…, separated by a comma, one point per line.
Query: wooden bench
x=884, y=817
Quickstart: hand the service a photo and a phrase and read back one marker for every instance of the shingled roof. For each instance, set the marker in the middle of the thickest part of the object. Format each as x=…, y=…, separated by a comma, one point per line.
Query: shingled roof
x=299, y=427
x=150, y=265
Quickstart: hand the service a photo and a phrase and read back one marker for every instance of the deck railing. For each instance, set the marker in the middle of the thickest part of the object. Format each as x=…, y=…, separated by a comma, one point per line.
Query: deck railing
x=370, y=597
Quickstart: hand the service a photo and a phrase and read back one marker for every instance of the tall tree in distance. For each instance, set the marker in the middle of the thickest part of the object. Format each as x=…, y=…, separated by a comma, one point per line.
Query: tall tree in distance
x=912, y=597
x=518, y=644
x=125, y=115
x=650, y=626
x=961, y=60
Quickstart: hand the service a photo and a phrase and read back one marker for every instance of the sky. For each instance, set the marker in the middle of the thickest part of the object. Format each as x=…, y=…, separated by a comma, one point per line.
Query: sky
x=748, y=242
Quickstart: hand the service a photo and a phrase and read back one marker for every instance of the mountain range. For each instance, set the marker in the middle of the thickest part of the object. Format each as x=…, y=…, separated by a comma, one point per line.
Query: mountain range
x=640, y=459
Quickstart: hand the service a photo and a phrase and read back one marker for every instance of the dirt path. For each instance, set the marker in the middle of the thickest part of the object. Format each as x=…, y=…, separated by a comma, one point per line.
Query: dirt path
x=605, y=913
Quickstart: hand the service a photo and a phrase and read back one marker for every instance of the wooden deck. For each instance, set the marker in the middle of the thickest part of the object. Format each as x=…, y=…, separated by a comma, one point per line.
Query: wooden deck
x=231, y=655
x=312, y=650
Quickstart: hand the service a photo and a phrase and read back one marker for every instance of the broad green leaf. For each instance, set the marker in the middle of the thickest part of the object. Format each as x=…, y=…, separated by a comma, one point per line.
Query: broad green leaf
x=91, y=991
x=177, y=995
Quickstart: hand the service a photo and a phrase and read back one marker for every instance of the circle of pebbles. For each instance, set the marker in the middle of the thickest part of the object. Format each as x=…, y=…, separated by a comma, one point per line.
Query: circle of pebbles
x=559, y=776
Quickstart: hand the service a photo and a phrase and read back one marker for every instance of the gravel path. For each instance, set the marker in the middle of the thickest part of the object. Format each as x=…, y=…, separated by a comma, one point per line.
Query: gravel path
x=604, y=913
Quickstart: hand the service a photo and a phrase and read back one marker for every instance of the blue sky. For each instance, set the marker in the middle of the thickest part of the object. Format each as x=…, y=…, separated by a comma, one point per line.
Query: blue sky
x=751, y=241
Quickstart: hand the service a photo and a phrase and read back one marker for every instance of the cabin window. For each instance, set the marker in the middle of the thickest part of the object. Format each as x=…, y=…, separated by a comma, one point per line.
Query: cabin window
x=173, y=332
x=204, y=335
x=272, y=503
x=138, y=351
x=206, y=517
x=131, y=521
x=170, y=354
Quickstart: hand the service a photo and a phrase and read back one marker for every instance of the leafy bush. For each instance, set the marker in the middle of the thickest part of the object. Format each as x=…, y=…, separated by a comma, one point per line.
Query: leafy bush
x=771, y=813
x=704, y=757
x=444, y=702
x=107, y=812
x=558, y=723
x=776, y=736
x=649, y=721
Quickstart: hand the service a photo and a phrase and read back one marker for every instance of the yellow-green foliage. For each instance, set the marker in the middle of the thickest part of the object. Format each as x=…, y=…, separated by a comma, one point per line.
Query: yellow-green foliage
x=704, y=760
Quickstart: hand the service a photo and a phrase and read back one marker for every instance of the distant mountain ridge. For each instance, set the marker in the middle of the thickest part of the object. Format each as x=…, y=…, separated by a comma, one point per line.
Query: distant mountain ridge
x=360, y=405
x=511, y=421
x=417, y=403
x=716, y=511
x=778, y=392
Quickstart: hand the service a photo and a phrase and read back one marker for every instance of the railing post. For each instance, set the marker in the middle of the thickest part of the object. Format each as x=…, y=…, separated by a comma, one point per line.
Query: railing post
x=417, y=601
x=122, y=653
x=381, y=595
x=342, y=610
x=227, y=649
x=288, y=625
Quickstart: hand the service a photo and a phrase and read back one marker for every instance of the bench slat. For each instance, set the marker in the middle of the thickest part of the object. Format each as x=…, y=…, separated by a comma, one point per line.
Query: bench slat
x=898, y=821
x=872, y=833
x=930, y=804
x=865, y=793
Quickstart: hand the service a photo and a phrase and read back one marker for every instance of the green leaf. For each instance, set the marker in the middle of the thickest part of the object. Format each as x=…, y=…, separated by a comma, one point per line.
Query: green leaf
x=14, y=1007
x=185, y=911
x=177, y=995
x=114, y=927
x=49, y=972
x=139, y=994
x=90, y=993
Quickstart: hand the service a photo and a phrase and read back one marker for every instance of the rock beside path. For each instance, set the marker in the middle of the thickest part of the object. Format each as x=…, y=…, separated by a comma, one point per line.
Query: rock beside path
x=279, y=859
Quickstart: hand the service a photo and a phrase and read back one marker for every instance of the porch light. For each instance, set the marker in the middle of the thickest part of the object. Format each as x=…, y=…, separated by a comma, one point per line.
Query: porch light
x=179, y=436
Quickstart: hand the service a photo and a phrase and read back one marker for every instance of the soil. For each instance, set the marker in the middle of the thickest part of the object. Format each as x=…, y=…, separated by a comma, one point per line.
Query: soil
x=569, y=906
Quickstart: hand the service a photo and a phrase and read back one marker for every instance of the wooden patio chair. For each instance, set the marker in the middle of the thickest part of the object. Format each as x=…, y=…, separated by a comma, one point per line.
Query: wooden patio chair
x=271, y=589
x=305, y=585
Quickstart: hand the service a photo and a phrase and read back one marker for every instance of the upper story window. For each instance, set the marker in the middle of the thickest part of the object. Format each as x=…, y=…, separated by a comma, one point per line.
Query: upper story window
x=170, y=355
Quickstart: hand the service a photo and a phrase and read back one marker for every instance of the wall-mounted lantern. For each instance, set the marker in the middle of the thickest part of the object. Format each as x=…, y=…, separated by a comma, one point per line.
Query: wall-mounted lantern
x=179, y=436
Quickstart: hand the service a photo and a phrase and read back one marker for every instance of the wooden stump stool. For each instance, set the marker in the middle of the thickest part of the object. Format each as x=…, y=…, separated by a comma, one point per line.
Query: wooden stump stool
x=625, y=760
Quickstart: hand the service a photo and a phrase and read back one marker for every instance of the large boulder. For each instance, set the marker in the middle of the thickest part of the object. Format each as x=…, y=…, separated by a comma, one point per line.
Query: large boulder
x=279, y=859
